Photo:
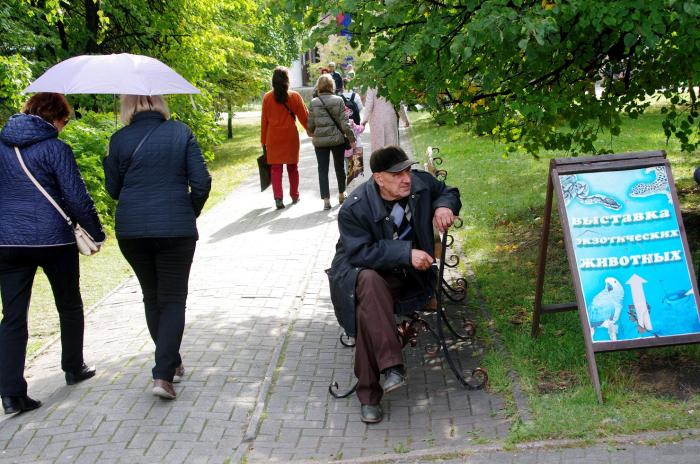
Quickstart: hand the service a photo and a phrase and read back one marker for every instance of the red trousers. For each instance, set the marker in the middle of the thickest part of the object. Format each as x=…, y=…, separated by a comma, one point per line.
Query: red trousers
x=276, y=180
x=377, y=345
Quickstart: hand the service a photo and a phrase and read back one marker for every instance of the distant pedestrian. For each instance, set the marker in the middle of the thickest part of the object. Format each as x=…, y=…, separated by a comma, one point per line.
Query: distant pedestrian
x=279, y=135
x=349, y=73
x=357, y=129
x=33, y=234
x=328, y=127
x=383, y=119
x=156, y=171
x=337, y=78
x=352, y=100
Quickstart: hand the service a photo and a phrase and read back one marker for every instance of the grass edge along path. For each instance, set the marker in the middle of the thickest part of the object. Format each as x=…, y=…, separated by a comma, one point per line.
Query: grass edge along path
x=503, y=203
x=102, y=273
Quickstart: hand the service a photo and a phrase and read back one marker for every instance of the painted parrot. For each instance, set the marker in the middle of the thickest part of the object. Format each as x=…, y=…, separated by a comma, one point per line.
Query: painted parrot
x=605, y=309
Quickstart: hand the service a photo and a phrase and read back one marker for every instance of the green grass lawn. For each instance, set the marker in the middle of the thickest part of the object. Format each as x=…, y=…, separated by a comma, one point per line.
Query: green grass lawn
x=99, y=274
x=503, y=204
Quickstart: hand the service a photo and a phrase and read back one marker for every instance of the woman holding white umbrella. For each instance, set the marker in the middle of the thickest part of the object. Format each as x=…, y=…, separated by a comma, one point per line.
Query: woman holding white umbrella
x=156, y=171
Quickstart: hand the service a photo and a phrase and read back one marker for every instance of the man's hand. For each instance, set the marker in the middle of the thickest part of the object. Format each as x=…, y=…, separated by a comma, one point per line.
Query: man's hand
x=420, y=260
x=443, y=218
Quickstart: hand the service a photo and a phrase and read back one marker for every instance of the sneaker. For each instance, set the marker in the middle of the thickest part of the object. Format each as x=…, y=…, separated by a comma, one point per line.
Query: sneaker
x=326, y=203
x=179, y=374
x=341, y=197
x=279, y=204
x=164, y=389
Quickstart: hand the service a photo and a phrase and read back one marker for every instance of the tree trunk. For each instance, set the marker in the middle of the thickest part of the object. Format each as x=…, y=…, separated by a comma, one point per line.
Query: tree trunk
x=92, y=22
x=230, y=121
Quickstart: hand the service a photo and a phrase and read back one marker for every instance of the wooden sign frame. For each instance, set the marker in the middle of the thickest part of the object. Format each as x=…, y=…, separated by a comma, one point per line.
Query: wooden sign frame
x=568, y=168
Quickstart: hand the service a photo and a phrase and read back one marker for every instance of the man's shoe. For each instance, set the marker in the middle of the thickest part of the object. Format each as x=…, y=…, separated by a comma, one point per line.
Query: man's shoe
x=395, y=378
x=16, y=404
x=279, y=204
x=179, y=374
x=326, y=203
x=164, y=389
x=81, y=374
x=371, y=413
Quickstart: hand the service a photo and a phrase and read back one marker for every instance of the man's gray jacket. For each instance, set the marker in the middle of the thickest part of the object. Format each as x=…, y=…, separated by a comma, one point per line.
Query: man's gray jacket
x=366, y=242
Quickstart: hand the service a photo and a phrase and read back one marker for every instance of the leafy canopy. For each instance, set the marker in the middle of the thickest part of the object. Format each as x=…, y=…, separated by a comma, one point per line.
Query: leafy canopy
x=526, y=71
x=226, y=48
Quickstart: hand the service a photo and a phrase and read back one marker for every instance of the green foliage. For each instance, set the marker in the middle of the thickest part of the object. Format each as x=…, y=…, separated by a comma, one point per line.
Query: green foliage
x=337, y=49
x=503, y=205
x=202, y=123
x=14, y=76
x=226, y=48
x=525, y=72
x=89, y=138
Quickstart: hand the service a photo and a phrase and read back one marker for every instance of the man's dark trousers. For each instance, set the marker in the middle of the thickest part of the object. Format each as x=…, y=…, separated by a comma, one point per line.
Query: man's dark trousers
x=377, y=346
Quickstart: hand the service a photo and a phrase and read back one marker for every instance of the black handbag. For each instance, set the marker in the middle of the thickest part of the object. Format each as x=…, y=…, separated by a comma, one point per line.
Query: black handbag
x=264, y=170
x=346, y=143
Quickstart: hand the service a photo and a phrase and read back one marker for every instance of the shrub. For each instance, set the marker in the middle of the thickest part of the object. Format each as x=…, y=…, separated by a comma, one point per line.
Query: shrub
x=89, y=137
x=14, y=76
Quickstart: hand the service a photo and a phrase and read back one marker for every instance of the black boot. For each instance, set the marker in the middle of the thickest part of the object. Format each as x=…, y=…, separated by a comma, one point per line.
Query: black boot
x=81, y=374
x=15, y=404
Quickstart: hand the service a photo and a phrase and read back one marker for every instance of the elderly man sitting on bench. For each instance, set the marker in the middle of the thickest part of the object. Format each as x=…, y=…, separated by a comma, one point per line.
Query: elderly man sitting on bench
x=382, y=266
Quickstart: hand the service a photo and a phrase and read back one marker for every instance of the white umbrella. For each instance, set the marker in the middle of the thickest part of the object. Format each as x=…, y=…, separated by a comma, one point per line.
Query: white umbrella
x=116, y=74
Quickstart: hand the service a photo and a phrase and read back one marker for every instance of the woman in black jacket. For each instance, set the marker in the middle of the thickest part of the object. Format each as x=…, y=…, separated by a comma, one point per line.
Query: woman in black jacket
x=33, y=234
x=156, y=171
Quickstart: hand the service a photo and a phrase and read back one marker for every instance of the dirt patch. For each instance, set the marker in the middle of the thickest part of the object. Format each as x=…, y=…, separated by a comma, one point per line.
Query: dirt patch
x=673, y=376
x=555, y=382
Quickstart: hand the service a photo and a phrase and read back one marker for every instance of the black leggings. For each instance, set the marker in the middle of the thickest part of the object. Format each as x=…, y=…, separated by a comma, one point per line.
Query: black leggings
x=162, y=266
x=323, y=155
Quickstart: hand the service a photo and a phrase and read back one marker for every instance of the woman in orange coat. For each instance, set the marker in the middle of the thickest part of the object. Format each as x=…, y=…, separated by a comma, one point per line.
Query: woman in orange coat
x=279, y=135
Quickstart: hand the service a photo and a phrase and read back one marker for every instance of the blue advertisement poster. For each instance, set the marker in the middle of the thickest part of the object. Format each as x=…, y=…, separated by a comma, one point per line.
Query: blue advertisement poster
x=629, y=254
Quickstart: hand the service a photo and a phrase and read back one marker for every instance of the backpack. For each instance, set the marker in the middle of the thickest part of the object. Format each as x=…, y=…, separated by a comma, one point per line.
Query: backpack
x=352, y=104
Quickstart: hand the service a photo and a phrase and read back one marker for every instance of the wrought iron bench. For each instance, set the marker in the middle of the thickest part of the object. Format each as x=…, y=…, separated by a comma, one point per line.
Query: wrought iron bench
x=409, y=328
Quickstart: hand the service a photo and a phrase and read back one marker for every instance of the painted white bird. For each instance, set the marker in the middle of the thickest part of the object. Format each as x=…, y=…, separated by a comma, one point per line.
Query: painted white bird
x=605, y=309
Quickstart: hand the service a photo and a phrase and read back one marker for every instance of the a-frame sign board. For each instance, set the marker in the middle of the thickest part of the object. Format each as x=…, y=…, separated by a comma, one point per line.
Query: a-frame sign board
x=627, y=251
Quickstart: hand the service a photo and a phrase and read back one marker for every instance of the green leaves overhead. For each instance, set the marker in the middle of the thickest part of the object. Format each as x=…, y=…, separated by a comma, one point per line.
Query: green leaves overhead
x=528, y=70
x=226, y=48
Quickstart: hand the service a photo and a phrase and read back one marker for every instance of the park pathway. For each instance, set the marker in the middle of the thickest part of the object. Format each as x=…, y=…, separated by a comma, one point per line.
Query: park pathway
x=260, y=348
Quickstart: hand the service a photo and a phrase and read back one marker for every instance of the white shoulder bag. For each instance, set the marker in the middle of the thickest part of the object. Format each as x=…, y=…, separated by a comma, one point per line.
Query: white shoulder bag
x=86, y=244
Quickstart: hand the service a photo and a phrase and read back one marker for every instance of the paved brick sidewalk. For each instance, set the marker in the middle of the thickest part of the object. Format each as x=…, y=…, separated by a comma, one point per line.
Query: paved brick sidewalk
x=250, y=275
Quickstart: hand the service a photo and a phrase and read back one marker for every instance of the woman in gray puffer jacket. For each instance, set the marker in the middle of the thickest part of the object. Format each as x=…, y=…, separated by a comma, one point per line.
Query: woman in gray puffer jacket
x=327, y=124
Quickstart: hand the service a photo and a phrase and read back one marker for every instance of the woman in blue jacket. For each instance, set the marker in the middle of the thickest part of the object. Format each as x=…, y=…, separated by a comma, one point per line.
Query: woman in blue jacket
x=33, y=234
x=156, y=171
